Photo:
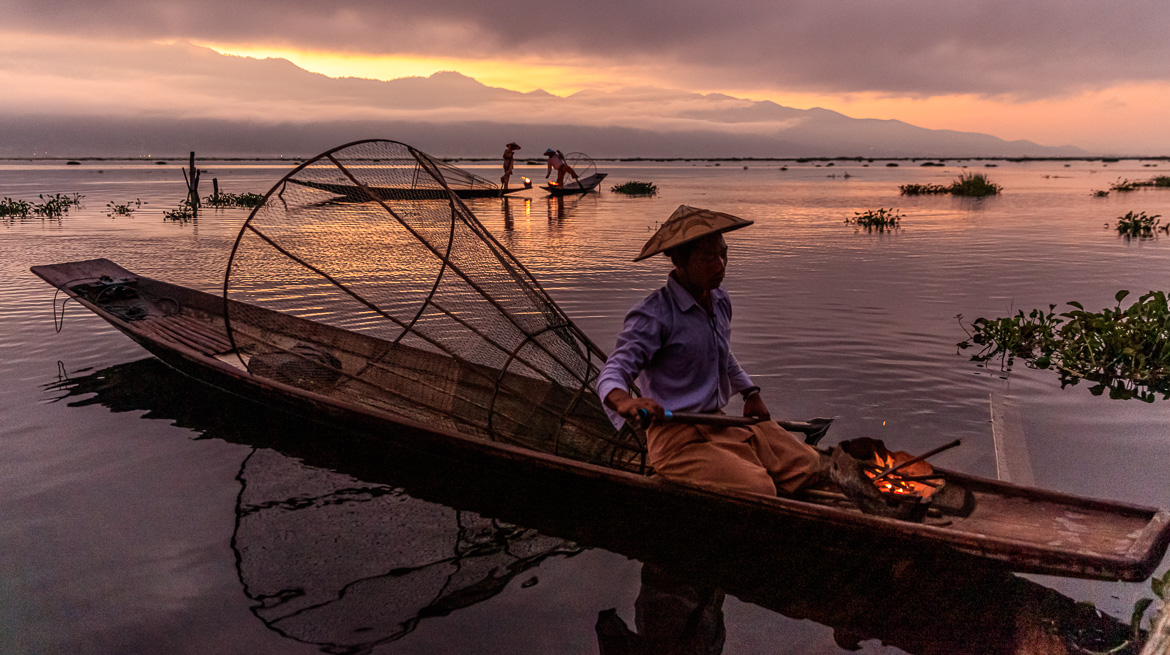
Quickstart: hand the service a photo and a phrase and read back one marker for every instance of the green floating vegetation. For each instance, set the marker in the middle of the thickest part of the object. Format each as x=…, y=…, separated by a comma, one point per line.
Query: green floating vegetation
x=15, y=208
x=923, y=189
x=1139, y=225
x=636, y=188
x=123, y=208
x=1123, y=350
x=969, y=184
x=181, y=214
x=1161, y=181
x=53, y=206
x=876, y=219
x=234, y=200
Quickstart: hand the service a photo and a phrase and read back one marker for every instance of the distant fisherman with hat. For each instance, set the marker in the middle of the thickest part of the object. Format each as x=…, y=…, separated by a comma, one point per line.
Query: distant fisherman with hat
x=556, y=162
x=509, y=162
x=676, y=343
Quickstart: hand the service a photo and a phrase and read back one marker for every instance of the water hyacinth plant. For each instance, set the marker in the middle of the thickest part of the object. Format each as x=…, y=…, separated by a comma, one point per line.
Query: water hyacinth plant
x=1123, y=350
x=181, y=214
x=1161, y=181
x=1139, y=225
x=876, y=219
x=53, y=206
x=234, y=200
x=15, y=208
x=968, y=184
x=635, y=188
x=974, y=185
x=923, y=189
x=56, y=205
x=122, y=209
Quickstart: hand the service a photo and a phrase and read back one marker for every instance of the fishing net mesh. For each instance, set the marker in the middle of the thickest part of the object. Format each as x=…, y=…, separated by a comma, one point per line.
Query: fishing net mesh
x=439, y=324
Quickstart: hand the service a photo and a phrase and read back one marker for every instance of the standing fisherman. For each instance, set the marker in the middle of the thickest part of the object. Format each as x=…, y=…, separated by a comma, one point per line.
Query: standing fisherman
x=509, y=163
x=676, y=342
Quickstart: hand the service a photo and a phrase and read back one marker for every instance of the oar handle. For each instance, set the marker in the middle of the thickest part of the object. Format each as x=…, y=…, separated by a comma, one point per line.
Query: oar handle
x=812, y=429
x=698, y=419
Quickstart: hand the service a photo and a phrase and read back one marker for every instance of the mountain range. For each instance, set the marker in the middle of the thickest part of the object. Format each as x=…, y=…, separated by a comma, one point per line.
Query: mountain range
x=221, y=105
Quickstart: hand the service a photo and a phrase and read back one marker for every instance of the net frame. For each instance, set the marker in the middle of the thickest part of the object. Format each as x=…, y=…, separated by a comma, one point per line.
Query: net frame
x=541, y=341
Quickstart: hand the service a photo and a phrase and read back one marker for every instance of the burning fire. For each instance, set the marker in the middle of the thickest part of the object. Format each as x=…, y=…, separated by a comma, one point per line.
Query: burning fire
x=898, y=482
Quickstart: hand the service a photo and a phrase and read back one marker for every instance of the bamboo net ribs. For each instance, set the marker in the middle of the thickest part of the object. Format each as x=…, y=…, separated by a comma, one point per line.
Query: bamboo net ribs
x=364, y=277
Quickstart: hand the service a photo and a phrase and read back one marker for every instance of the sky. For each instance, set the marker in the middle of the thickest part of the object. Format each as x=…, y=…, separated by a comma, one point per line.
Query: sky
x=1092, y=74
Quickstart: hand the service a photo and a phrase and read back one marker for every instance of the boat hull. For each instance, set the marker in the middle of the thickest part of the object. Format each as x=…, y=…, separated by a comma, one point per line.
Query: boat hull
x=1017, y=528
x=585, y=185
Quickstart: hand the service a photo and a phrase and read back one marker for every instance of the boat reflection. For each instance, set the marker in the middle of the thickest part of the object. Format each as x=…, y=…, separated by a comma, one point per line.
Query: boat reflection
x=342, y=542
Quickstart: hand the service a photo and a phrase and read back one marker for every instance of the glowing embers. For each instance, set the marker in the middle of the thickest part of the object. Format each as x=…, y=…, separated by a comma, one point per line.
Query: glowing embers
x=895, y=484
x=913, y=478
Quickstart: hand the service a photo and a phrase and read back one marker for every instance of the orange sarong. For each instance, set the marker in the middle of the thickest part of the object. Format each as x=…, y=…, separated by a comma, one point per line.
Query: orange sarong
x=758, y=459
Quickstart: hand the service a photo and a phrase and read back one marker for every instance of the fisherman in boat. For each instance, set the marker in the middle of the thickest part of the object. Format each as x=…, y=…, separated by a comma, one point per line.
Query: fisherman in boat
x=676, y=343
x=556, y=161
x=509, y=162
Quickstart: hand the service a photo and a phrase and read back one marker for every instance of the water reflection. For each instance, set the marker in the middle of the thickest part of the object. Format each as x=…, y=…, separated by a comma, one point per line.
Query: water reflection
x=347, y=542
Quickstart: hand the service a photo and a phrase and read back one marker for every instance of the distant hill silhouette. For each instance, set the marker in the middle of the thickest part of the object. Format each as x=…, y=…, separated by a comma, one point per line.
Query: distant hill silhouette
x=238, y=106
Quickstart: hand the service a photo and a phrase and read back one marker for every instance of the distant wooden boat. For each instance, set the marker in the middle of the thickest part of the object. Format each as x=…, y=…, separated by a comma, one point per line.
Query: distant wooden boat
x=346, y=378
x=401, y=175
x=355, y=193
x=584, y=185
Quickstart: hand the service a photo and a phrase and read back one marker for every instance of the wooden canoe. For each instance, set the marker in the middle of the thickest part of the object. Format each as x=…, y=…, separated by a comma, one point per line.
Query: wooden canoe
x=584, y=185
x=355, y=193
x=1013, y=527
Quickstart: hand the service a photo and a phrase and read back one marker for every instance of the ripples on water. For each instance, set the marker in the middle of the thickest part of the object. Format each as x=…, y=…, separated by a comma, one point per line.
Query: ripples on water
x=109, y=516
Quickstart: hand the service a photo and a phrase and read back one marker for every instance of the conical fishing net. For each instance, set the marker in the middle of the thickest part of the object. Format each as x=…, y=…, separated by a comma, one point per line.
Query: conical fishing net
x=363, y=278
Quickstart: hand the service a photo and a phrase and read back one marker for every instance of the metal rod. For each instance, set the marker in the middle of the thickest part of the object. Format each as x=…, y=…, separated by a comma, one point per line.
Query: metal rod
x=919, y=458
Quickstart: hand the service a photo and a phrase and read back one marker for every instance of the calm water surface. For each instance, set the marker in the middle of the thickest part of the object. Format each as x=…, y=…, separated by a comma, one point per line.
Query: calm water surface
x=146, y=513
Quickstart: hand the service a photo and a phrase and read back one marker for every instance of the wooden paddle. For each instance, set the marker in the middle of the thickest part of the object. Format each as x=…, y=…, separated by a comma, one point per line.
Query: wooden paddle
x=813, y=429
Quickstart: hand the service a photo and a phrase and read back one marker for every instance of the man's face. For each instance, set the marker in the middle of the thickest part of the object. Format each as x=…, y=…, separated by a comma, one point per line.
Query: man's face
x=708, y=262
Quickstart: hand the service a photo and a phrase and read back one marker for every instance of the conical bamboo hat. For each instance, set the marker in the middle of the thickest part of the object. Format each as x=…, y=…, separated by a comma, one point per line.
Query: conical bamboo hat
x=687, y=224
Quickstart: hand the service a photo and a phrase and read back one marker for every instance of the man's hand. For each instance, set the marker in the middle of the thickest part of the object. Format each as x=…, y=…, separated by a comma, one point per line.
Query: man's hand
x=628, y=406
x=754, y=406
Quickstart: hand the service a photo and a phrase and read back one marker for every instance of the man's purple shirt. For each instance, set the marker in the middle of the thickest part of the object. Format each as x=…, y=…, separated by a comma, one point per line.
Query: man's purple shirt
x=678, y=353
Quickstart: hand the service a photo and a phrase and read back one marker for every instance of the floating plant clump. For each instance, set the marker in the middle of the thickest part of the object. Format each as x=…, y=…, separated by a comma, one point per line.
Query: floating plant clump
x=876, y=219
x=1123, y=350
x=54, y=206
x=1161, y=181
x=181, y=214
x=636, y=188
x=234, y=200
x=968, y=184
x=1139, y=225
x=122, y=208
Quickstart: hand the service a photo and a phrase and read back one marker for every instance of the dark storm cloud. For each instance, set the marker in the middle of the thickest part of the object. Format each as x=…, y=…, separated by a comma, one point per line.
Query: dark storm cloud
x=911, y=47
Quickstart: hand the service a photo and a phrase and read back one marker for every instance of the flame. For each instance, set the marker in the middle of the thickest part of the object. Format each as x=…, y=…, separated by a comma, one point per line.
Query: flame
x=897, y=485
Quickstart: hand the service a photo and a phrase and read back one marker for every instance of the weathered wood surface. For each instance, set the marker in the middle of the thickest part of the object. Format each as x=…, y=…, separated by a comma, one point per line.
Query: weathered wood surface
x=1021, y=528
x=1012, y=461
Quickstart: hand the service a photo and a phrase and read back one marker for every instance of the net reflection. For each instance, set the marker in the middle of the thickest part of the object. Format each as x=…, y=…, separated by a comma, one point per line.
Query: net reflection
x=347, y=542
x=334, y=561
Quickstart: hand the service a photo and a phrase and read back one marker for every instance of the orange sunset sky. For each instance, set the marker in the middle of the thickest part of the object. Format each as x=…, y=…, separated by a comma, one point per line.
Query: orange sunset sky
x=1088, y=74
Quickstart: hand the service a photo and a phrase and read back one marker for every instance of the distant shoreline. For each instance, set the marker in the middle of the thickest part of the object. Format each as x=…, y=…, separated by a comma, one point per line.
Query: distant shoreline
x=476, y=160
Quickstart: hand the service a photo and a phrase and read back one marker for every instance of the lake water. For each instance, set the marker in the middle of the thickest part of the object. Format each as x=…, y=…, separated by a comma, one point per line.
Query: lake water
x=144, y=512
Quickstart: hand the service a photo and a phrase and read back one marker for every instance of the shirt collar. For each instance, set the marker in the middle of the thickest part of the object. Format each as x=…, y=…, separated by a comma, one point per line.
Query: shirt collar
x=682, y=298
